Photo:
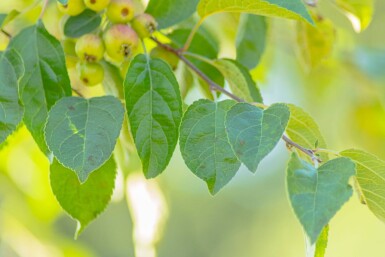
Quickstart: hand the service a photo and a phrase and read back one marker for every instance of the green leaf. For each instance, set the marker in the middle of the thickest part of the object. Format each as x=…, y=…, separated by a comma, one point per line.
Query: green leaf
x=204, y=144
x=5, y=18
x=154, y=109
x=82, y=133
x=303, y=130
x=201, y=45
x=370, y=179
x=317, y=194
x=171, y=12
x=315, y=42
x=63, y=1
x=240, y=80
x=86, y=22
x=251, y=40
x=11, y=110
x=253, y=133
x=293, y=9
x=322, y=242
x=83, y=202
x=359, y=12
x=45, y=80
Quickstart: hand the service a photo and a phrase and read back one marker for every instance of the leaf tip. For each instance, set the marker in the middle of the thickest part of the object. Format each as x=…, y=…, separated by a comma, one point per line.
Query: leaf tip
x=79, y=230
x=213, y=187
x=150, y=173
x=213, y=191
x=82, y=177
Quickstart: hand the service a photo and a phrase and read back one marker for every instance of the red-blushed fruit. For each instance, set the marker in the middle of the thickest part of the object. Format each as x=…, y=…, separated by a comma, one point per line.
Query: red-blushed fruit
x=73, y=7
x=161, y=53
x=91, y=74
x=120, y=11
x=96, y=5
x=90, y=48
x=121, y=42
x=144, y=25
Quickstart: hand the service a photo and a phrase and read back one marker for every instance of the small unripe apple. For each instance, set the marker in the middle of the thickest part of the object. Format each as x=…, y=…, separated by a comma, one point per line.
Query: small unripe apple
x=90, y=48
x=161, y=53
x=69, y=46
x=144, y=24
x=121, y=42
x=91, y=74
x=96, y=5
x=73, y=7
x=120, y=11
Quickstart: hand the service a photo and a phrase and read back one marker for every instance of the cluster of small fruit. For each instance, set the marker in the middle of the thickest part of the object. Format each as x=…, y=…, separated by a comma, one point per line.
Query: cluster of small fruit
x=118, y=41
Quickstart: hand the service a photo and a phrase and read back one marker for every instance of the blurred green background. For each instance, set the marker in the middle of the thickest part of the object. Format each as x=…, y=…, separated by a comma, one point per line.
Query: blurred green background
x=249, y=217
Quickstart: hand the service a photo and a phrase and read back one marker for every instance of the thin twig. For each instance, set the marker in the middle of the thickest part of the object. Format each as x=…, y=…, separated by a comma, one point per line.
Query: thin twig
x=215, y=87
x=306, y=151
x=45, y=4
x=78, y=92
x=198, y=57
x=191, y=36
x=6, y=33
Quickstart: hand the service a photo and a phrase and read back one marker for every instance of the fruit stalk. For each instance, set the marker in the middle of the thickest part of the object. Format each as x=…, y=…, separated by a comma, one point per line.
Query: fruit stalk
x=45, y=4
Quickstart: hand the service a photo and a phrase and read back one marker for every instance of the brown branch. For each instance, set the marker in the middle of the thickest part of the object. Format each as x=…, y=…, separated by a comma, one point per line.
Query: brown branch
x=78, y=92
x=6, y=33
x=308, y=152
x=215, y=87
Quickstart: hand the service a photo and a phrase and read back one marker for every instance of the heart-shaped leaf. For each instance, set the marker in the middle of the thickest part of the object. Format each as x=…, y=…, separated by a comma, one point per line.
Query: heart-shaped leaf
x=84, y=202
x=253, y=132
x=82, y=133
x=204, y=144
x=317, y=194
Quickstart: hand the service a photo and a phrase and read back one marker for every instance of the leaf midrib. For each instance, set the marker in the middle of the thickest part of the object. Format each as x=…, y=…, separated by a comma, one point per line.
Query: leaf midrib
x=151, y=108
x=85, y=135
